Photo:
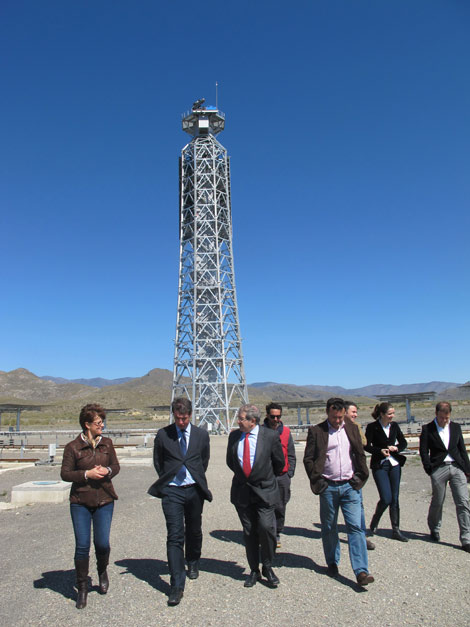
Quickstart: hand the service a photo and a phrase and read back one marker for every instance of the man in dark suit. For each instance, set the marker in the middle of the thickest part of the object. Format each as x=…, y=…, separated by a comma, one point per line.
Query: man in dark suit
x=335, y=463
x=255, y=456
x=445, y=459
x=181, y=456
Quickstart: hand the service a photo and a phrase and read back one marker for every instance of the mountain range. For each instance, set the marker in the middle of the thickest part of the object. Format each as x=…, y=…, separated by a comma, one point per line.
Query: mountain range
x=155, y=388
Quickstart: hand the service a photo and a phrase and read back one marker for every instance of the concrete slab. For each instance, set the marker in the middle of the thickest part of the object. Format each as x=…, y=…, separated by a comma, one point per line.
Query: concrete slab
x=40, y=492
x=5, y=467
x=136, y=461
x=4, y=506
x=134, y=452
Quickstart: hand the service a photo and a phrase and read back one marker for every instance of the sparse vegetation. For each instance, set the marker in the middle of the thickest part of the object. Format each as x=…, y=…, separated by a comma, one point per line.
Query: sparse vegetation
x=61, y=402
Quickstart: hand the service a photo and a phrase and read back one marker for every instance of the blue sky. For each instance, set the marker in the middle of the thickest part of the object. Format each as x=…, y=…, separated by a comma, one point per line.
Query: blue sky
x=348, y=128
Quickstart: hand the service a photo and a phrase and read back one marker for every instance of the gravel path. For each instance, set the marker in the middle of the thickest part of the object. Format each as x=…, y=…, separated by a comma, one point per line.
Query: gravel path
x=417, y=583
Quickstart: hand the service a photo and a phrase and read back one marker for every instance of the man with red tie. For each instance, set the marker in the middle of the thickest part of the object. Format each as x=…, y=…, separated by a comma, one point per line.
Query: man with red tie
x=255, y=456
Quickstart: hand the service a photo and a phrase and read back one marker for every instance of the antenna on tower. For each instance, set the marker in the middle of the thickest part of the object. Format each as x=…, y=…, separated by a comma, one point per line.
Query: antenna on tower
x=216, y=95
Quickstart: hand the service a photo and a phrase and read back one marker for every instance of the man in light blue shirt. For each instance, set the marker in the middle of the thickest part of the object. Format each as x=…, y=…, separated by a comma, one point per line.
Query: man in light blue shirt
x=181, y=456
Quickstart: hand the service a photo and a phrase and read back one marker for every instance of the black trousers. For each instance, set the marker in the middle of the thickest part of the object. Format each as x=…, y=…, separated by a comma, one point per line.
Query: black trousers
x=283, y=483
x=182, y=507
x=259, y=532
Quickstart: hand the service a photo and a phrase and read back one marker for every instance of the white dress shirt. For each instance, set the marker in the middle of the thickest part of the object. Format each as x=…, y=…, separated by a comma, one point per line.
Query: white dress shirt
x=444, y=434
x=390, y=459
x=253, y=439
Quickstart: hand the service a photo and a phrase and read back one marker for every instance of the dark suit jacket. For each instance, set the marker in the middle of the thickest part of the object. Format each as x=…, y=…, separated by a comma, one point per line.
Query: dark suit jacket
x=433, y=452
x=168, y=458
x=315, y=456
x=377, y=440
x=269, y=462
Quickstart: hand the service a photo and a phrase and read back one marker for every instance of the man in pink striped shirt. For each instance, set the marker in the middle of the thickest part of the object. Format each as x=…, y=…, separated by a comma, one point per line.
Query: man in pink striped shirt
x=336, y=466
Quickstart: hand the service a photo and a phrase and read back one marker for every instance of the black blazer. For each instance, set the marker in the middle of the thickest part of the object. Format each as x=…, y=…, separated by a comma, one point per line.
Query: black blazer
x=269, y=462
x=433, y=452
x=168, y=458
x=377, y=440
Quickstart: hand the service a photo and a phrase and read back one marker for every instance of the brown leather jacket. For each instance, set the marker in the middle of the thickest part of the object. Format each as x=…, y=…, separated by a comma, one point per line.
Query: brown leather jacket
x=80, y=456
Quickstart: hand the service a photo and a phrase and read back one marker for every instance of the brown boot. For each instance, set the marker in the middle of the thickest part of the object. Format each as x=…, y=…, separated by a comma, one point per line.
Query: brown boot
x=81, y=571
x=102, y=561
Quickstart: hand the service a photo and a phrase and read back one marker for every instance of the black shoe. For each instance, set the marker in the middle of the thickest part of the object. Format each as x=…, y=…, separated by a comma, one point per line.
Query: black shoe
x=332, y=570
x=397, y=535
x=273, y=580
x=370, y=545
x=435, y=537
x=466, y=548
x=193, y=571
x=252, y=578
x=175, y=596
x=363, y=579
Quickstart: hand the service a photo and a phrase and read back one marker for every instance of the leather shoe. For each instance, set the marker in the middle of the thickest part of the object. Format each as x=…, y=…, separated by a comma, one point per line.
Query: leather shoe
x=466, y=548
x=252, y=578
x=82, y=597
x=273, y=580
x=103, y=583
x=364, y=578
x=193, y=571
x=435, y=537
x=370, y=545
x=397, y=535
x=332, y=570
x=175, y=596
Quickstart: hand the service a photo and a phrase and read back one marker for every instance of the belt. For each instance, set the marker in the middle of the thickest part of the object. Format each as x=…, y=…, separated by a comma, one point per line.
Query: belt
x=188, y=485
x=330, y=481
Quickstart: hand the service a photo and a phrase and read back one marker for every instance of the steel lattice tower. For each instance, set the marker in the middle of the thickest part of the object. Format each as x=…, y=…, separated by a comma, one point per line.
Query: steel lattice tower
x=208, y=365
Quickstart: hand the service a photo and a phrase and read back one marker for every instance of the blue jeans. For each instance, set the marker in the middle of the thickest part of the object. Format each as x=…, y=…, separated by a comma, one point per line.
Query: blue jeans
x=363, y=516
x=344, y=496
x=81, y=519
x=387, y=480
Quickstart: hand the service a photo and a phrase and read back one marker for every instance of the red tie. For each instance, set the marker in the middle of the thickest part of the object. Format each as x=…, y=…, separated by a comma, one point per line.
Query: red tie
x=246, y=456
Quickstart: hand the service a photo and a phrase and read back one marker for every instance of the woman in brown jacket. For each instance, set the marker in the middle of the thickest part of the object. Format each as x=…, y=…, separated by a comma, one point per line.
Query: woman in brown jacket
x=89, y=462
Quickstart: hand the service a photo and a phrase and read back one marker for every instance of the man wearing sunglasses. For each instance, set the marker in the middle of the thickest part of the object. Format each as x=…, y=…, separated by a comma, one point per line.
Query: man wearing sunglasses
x=273, y=421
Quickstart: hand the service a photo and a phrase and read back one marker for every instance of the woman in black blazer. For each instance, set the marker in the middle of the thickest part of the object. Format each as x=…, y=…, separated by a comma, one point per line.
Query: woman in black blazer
x=385, y=441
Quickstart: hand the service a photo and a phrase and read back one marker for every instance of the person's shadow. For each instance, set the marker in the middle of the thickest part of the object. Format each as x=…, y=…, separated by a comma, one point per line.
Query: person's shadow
x=227, y=535
x=230, y=535
x=60, y=581
x=302, y=531
x=424, y=537
x=151, y=570
x=290, y=560
x=222, y=567
x=148, y=570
